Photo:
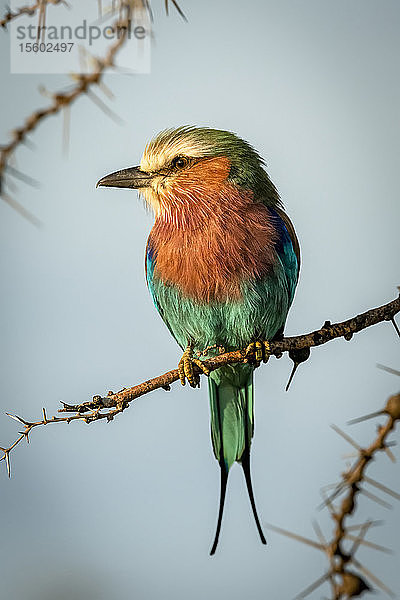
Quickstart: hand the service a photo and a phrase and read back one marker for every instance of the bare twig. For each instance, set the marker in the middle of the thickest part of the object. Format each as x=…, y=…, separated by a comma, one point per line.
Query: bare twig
x=108, y=407
x=28, y=426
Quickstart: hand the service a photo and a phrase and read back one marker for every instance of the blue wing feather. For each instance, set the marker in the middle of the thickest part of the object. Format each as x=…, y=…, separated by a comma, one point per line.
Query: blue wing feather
x=149, y=265
x=287, y=250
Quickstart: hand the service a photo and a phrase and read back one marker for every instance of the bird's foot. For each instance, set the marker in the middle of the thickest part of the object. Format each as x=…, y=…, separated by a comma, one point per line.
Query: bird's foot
x=186, y=370
x=258, y=351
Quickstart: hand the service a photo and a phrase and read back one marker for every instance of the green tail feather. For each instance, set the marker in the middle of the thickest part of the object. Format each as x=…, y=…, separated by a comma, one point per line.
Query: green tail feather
x=232, y=427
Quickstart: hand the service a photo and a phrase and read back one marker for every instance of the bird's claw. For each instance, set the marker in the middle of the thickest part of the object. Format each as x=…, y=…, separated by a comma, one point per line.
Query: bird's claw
x=258, y=351
x=186, y=370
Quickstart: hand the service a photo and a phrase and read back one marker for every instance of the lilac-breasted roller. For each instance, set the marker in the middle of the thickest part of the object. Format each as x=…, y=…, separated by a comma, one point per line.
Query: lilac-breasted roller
x=222, y=264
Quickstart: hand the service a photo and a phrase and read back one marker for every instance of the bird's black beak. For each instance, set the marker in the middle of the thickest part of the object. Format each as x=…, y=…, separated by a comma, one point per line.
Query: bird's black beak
x=126, y=178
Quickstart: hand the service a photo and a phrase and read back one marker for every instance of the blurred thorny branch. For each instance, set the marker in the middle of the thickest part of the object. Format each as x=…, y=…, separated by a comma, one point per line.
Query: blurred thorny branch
x=83, y=84
x=30, y=10
x=347, y=576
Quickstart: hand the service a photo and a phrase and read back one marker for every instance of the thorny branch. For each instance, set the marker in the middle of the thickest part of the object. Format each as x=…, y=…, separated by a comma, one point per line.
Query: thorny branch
x=30, y=11
x=298, y=348
x=346, y=573
x=62, y=100
x=59, y=100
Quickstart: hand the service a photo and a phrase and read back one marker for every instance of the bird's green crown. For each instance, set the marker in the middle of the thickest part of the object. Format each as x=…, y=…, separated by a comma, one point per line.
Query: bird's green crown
x=174, y=150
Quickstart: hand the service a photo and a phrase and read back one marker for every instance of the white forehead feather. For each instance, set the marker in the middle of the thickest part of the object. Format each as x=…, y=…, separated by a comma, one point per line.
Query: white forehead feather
x=186, y=141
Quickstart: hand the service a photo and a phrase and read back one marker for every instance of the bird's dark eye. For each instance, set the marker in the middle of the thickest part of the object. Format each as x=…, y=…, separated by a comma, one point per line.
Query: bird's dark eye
x=180, y=162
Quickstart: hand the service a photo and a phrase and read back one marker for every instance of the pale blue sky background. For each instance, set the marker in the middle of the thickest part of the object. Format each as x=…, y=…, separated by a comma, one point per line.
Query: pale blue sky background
x=128, y=510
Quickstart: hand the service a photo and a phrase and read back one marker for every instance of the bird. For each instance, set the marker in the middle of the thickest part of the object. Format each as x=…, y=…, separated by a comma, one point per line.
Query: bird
x=222, y=265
